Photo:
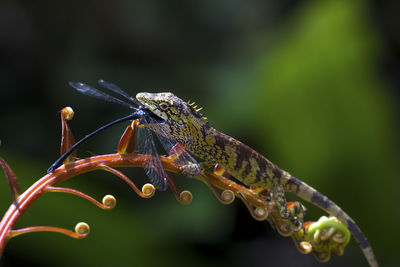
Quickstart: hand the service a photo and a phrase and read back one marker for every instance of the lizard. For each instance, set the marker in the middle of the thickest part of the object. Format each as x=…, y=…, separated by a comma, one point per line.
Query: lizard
x=184, y=124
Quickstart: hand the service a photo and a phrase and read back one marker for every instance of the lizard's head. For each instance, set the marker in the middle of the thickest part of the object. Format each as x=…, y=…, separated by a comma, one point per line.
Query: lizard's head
x=177, y=114
x=164, y=105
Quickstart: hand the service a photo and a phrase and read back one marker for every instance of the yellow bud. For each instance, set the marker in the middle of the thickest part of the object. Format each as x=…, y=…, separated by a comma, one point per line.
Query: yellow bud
x=82, y=228
x=148, y=190
x=305, y=246
x=186, y=197
x=109, y=201
x=228, y=196
x=261, y=213
x=67, y=113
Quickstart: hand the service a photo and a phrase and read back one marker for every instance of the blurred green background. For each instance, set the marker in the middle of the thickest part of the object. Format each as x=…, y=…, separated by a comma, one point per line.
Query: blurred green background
x=312, y=85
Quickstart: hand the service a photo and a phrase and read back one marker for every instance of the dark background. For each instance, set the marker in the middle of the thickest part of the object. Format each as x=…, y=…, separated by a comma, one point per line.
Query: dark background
x=312, y=85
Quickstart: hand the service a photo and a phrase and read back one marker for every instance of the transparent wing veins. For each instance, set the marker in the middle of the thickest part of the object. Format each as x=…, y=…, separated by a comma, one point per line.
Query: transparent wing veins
x=93, y=92
x=152, y=167
x=114, y=88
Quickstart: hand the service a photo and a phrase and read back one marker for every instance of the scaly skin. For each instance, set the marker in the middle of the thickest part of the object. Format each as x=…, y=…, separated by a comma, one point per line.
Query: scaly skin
x=186, y=125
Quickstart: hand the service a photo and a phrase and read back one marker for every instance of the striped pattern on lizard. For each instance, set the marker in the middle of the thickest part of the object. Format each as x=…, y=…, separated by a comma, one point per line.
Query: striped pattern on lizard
x=185, y=124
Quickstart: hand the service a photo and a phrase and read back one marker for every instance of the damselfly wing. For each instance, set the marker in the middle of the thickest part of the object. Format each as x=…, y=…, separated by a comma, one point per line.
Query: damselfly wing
x=152, y=167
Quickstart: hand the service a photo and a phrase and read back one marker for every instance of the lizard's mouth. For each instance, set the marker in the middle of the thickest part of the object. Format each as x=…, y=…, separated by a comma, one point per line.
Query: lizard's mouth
x=152, y=116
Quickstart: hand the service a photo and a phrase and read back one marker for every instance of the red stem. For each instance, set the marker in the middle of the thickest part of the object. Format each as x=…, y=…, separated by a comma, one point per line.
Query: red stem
x=76, y=193
x=75, y=168
x=65, y=172
x=33, y=229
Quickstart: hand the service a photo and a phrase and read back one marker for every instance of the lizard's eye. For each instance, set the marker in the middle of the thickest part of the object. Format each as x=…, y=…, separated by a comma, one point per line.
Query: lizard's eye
x=163, y=106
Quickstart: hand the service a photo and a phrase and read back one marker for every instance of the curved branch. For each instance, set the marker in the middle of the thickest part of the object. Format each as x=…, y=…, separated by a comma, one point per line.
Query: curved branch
x=75, y=168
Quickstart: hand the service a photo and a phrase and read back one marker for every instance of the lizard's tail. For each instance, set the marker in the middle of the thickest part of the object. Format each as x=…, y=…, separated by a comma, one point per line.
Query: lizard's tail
x=311, y=195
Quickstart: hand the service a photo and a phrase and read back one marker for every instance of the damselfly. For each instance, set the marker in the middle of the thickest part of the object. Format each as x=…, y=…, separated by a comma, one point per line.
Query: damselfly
x=153, y=167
